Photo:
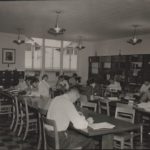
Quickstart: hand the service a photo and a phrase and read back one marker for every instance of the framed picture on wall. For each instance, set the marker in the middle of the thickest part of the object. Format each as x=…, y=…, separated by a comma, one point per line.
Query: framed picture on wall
x=8, y=56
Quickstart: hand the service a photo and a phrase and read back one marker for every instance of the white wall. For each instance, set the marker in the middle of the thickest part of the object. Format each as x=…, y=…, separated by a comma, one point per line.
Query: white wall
x=83, y=60
x=6, y=41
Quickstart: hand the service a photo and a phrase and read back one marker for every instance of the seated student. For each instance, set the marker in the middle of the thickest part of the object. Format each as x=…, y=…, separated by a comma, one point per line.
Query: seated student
x=63, y=111
x=145, y=86
x=146, y=96
x=92, y=88
x=34, y=87
x=21, y=85
x=62, y=84
x=44, y=87
x=74, y=80
x=114, y=86
x=24, y=85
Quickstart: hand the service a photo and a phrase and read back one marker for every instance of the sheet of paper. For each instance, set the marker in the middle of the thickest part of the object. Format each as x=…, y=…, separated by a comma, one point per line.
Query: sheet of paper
x=102, y=125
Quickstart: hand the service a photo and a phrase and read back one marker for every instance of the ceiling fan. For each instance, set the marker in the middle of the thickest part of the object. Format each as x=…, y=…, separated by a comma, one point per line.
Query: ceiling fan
x=80, y=46
x=134, y=40
x=57, y=30
x=18, y=41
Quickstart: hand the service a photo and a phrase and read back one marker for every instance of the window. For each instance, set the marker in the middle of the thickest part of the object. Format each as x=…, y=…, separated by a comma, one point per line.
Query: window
x=28, y=59
x=33, y=57
x=70, y=59
x=37, y=59
x=52, y=54
x=33, y=54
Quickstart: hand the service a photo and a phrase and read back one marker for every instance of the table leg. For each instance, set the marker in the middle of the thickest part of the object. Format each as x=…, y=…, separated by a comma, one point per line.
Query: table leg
x=141, y=134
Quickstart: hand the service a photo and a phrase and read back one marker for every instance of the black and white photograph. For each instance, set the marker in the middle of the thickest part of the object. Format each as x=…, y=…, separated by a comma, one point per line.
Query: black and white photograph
x=8, y=56
x=74, y=74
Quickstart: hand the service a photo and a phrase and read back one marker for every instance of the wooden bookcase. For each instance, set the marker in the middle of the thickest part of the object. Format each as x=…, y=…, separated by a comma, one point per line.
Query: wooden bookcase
x=132, y=69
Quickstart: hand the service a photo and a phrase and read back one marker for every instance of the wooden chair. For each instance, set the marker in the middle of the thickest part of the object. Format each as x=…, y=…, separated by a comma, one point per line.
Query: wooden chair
x=104, y=106
x=15, y=113
x=51, y=123
x=5, y=104
x=89, y=105
x=125, y=113
x=55, y=135
x=28, y=118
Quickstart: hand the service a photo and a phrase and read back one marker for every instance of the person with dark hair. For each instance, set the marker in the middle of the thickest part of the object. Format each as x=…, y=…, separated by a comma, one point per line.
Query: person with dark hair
x=92, y=89
x=24, y=85
x=63, y=111
x=44, y=87
x=62, y=84
x=34, y=87
x=21, y=85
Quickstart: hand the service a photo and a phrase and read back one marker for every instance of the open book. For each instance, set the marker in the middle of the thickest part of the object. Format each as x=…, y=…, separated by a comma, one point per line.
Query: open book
x=102, y=125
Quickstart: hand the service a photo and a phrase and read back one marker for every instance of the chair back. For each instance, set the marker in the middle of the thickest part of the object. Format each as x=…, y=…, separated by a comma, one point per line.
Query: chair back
x=104, y=106
x=51, y=123
x=125, y=112
x=89, y=105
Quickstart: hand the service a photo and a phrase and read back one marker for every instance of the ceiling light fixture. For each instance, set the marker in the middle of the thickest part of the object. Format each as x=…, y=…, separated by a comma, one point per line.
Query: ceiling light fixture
x=80, y=46
x=19, y=41
x=57, y=30
x=134, y=40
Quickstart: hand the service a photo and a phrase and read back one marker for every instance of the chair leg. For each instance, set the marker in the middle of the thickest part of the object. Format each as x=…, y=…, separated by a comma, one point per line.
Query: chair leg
x=21, y=126
x=26, y=131
x=16, y=124
x=131, y=140
x=141, y=134
x=122, y=144
x=40, y=133
x=13, y=119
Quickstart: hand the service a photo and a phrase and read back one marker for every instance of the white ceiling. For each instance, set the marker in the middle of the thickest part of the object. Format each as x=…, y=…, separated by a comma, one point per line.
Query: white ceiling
x=91, y=19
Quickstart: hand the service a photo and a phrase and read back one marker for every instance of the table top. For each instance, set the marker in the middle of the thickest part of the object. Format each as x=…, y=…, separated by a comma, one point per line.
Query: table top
x=120, y=126
x=141, y=110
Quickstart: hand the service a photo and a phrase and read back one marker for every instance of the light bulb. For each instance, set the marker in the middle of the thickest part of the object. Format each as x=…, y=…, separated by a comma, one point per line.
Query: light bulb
x=57, y=29
x=134, y=39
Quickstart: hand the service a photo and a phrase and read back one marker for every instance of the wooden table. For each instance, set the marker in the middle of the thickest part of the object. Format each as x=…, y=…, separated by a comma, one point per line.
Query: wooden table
x=120, y=126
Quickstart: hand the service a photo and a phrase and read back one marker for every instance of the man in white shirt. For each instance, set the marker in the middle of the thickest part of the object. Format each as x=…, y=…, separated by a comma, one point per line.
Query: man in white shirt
x=63, y=111
x=44, y=87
